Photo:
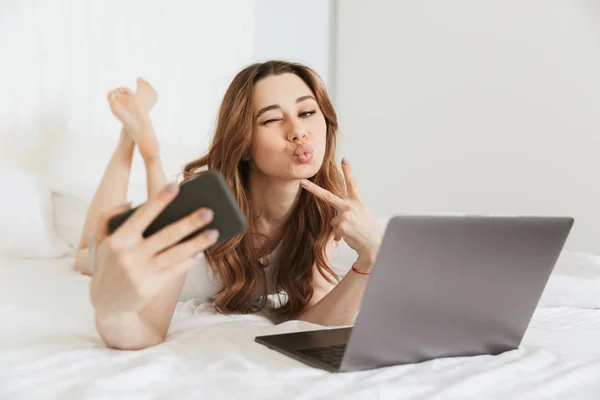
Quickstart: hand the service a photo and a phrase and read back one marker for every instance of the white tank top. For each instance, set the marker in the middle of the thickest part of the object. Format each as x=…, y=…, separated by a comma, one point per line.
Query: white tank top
x=203, y=284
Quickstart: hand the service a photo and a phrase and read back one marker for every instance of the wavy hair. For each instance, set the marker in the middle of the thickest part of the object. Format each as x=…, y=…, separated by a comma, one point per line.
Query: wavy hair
x=308, y=231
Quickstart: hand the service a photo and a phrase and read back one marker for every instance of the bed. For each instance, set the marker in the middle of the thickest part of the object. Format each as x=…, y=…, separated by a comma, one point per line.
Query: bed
x=49, y=347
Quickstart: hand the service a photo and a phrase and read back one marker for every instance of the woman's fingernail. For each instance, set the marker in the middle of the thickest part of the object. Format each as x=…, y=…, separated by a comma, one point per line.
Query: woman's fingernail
x=304, y=182
x=212, y=235
x=344, y=161
x=206, y=215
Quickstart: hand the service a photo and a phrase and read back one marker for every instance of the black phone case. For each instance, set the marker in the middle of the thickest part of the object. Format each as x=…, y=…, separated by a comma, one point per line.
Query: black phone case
x=208, y=190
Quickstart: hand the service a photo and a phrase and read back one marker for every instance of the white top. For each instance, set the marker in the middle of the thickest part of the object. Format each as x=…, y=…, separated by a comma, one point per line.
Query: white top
x=201, y=283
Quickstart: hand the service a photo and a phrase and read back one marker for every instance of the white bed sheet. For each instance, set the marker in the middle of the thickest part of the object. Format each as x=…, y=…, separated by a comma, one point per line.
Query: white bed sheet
x=49, y=349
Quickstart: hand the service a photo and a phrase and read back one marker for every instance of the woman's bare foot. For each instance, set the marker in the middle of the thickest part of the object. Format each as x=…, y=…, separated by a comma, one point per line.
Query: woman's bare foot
x=146, y=93
x=132, y=111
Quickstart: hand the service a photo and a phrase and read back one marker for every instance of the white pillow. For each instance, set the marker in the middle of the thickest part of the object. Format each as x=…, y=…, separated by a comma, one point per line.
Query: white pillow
x=70, y=206
x=69, y=211
x=26, y=229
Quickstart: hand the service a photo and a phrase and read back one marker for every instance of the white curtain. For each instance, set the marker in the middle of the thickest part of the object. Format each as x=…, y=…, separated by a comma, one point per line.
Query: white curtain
x=59, y=58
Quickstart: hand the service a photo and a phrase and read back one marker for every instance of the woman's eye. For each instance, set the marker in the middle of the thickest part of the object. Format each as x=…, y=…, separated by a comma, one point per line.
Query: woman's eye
x=269, y=121
x=307, y=113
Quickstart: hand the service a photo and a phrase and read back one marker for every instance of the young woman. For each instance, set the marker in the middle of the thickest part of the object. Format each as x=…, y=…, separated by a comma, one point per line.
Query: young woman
x=275, y=144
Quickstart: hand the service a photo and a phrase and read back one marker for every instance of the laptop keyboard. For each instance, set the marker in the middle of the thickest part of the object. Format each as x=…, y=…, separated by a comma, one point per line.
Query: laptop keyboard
x=331, y=355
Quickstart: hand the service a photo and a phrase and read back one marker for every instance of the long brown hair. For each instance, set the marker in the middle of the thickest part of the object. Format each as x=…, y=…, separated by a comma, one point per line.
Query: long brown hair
x=308, y=230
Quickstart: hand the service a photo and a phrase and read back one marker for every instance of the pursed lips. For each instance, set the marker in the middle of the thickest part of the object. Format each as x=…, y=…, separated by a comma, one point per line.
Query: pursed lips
x=304, y=153
x=303, y=149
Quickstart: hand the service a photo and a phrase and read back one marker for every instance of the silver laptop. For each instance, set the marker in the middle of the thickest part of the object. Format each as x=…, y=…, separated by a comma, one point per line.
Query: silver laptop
x=442, y=286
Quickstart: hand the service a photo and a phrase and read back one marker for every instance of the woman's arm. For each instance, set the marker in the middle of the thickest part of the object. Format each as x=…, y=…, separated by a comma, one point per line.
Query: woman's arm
x=336, y=305
x=137, y=280
x=361, y=231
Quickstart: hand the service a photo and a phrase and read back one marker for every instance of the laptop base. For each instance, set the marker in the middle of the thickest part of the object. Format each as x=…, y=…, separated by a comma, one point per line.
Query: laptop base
x=320, y=348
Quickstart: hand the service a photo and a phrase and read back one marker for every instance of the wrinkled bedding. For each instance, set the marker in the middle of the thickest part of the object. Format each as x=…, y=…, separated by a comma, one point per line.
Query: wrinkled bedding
x=49, y=349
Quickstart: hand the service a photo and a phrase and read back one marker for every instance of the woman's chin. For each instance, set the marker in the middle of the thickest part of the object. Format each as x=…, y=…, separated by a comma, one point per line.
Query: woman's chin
x=306, y=171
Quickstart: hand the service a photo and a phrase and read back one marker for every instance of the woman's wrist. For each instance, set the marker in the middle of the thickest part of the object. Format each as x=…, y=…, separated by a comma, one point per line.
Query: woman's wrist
x=370, y=250
x=362, y=266
x=367, y=257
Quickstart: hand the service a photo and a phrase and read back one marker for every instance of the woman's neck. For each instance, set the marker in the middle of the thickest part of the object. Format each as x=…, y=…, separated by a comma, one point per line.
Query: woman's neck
x=272, y=202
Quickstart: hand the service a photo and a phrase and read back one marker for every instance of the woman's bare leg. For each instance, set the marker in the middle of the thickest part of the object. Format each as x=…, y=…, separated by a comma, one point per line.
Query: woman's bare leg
x=112, y=190
x=148, y=144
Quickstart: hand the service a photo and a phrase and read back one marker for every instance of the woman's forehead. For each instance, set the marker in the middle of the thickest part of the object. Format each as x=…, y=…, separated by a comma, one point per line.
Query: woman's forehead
x=279, y=89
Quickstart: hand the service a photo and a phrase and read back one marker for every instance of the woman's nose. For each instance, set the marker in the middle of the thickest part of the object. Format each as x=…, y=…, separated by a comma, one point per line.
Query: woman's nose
x=297, y=133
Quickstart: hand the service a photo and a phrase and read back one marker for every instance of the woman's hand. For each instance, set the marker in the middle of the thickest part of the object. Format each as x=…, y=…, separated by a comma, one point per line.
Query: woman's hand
x=354, y=223
x=128, y=269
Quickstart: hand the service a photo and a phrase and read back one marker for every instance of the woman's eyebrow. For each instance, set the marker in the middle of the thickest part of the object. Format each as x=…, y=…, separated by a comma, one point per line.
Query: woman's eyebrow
x=301, y=99
x=267, y=108
x=277, y=106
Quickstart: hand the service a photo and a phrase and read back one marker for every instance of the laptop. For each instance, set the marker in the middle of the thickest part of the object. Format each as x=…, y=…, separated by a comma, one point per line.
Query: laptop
x=442, y=286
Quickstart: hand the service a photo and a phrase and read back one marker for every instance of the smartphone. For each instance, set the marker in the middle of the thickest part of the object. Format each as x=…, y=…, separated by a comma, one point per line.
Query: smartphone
x=206, y=190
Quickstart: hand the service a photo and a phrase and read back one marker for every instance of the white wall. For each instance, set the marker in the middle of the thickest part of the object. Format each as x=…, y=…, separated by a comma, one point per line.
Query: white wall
x=298, y=31
x=444, y=106
x=59, y=58
x=474, y=107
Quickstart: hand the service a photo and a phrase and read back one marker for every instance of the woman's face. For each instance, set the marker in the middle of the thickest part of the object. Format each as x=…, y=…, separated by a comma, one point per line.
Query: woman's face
x=289, y=129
